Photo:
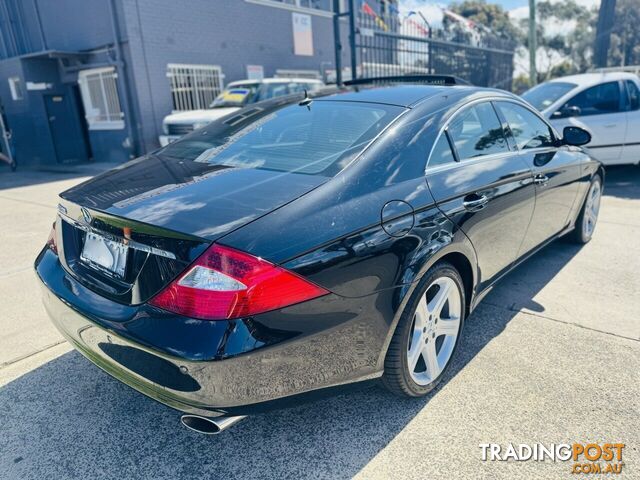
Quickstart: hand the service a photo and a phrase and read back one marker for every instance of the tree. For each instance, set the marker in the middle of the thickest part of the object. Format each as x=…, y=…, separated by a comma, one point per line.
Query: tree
x=625, y=36
x=490, y=15
x=566, y=33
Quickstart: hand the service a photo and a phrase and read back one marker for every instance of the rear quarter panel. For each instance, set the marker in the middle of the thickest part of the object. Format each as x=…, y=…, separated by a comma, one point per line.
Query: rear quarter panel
x=335, y=235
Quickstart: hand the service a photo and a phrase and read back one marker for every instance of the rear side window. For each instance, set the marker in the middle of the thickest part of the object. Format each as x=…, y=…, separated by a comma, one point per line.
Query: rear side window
x=319, y=140
x=477, y=131
x=441, y=153
x=634, y=95
x=603, y=98
x=527, y=128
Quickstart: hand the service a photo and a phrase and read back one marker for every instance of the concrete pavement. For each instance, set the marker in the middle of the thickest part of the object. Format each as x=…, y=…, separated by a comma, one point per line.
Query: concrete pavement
x=28, y=201
x=552, y=355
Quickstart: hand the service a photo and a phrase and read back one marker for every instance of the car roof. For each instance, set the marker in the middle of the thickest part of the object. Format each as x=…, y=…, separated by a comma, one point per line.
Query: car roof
x=399, y=95
x=594, y=78
x=274, y=80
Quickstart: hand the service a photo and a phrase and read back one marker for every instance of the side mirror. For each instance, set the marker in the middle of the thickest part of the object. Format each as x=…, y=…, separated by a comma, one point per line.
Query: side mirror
x=571, y=111
x=575, y=136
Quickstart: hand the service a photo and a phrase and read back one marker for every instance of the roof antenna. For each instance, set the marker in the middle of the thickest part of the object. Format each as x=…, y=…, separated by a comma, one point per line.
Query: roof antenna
x=306, y=101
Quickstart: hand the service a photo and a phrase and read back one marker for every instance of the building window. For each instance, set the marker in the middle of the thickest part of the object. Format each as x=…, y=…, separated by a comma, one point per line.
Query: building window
x=100, y=98
x=16, y=88
x=319, y=4
x=287, y=73
x=194, y=87
x=315, y=7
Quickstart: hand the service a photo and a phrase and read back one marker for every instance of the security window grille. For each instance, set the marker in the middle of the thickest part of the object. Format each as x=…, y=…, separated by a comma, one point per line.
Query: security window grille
x=315, y=7
x=284, y=73
x=194, y=87
x=319, y=4
x=100, y=98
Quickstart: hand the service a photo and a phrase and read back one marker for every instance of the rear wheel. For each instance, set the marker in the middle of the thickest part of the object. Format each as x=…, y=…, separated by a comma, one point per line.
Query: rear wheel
x=427, y=334
x=586, y=222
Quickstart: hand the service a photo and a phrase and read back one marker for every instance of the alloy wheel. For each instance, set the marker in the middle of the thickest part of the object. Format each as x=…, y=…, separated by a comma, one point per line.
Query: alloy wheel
x=435, y=328
x=591, y=209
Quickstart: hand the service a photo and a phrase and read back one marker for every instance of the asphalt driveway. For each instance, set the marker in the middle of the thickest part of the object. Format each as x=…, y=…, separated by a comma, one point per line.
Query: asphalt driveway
x=552, y=355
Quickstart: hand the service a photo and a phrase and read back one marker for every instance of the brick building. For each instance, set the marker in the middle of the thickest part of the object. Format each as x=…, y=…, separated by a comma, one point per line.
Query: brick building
x=93, y=79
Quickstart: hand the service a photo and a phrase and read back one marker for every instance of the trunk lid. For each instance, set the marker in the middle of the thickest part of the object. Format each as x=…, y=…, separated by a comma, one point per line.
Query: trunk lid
x=196, y=199
x=166, y=212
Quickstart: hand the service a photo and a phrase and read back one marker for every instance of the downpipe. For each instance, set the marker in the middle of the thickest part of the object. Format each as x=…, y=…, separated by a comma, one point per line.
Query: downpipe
x=209, y=426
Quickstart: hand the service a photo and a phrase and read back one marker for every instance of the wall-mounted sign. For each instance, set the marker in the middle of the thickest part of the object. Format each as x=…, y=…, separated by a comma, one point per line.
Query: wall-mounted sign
x=302, y=34
x=39, y=86
x=255, y=72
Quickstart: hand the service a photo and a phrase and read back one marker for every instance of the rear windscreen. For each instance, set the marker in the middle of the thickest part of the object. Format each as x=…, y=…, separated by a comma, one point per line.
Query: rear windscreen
x=321, y=138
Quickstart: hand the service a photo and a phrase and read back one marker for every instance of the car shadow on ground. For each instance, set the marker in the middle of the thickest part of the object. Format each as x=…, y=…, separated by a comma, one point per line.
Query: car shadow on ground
x=622, y=181
x=67, y=419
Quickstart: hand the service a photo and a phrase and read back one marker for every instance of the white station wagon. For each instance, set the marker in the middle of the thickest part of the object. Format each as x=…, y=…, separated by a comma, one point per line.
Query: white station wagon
x=235, y=96
x=607, y=105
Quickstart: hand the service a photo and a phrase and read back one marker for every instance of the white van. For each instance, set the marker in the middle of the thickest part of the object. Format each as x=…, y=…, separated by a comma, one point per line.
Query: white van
x=235, y=96
x=605, y=104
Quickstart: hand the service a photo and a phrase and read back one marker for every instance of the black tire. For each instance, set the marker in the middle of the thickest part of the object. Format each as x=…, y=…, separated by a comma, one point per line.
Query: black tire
x=580, y=235
x=397, y=377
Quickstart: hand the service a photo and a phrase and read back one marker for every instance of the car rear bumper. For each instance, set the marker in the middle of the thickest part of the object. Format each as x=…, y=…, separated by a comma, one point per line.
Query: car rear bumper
x=128, y=361
x=257, y=379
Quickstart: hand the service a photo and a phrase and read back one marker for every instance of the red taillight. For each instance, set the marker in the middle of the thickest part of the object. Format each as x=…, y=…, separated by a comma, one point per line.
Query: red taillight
x=51, y=241
x=226, y=283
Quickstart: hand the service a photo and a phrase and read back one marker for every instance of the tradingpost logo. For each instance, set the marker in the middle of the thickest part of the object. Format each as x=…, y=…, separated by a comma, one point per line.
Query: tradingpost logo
x=586, y=458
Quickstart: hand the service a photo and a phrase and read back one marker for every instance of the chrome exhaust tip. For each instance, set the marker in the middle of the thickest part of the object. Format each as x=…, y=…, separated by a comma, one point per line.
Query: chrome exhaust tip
x=209, y=426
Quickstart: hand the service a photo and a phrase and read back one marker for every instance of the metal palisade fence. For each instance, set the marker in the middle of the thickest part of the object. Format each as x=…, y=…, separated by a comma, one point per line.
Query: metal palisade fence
x=390, y=43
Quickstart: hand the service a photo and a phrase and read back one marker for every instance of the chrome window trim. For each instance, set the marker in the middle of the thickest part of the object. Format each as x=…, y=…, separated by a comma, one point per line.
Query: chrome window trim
x=554, y=133
x=489, y=99
x=471, y=161
x=446, y=125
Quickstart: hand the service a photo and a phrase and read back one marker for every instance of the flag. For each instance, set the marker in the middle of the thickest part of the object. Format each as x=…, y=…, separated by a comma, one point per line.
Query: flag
x=418, y=26
x=368, y=10
x=371, y=12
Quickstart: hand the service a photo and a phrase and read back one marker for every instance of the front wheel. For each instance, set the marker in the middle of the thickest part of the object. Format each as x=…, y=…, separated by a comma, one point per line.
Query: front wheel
x=427, y=333
x=586, y=222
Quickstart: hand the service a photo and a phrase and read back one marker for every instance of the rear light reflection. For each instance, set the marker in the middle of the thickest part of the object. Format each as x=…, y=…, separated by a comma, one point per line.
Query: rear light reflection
x=51, y=241
x=225, y=283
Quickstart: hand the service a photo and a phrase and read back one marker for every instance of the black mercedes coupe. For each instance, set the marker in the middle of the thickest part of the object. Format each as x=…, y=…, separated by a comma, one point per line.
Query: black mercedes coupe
x=302, y=244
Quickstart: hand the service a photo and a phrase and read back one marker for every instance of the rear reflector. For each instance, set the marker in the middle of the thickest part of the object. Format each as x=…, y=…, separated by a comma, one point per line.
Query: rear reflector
x=225, y=283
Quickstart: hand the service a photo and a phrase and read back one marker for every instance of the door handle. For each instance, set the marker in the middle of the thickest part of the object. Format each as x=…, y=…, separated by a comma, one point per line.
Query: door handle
x=475, y=202
x=541, y=179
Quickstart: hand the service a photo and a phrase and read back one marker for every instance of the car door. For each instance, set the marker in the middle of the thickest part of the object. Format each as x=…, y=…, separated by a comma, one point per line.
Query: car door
x=556, y=170
x=631, y=148
x=483, y=186
x=599, y=110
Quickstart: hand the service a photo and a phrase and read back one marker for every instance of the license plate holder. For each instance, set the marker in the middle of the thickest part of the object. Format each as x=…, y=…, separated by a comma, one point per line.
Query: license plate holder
x=105, y=254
